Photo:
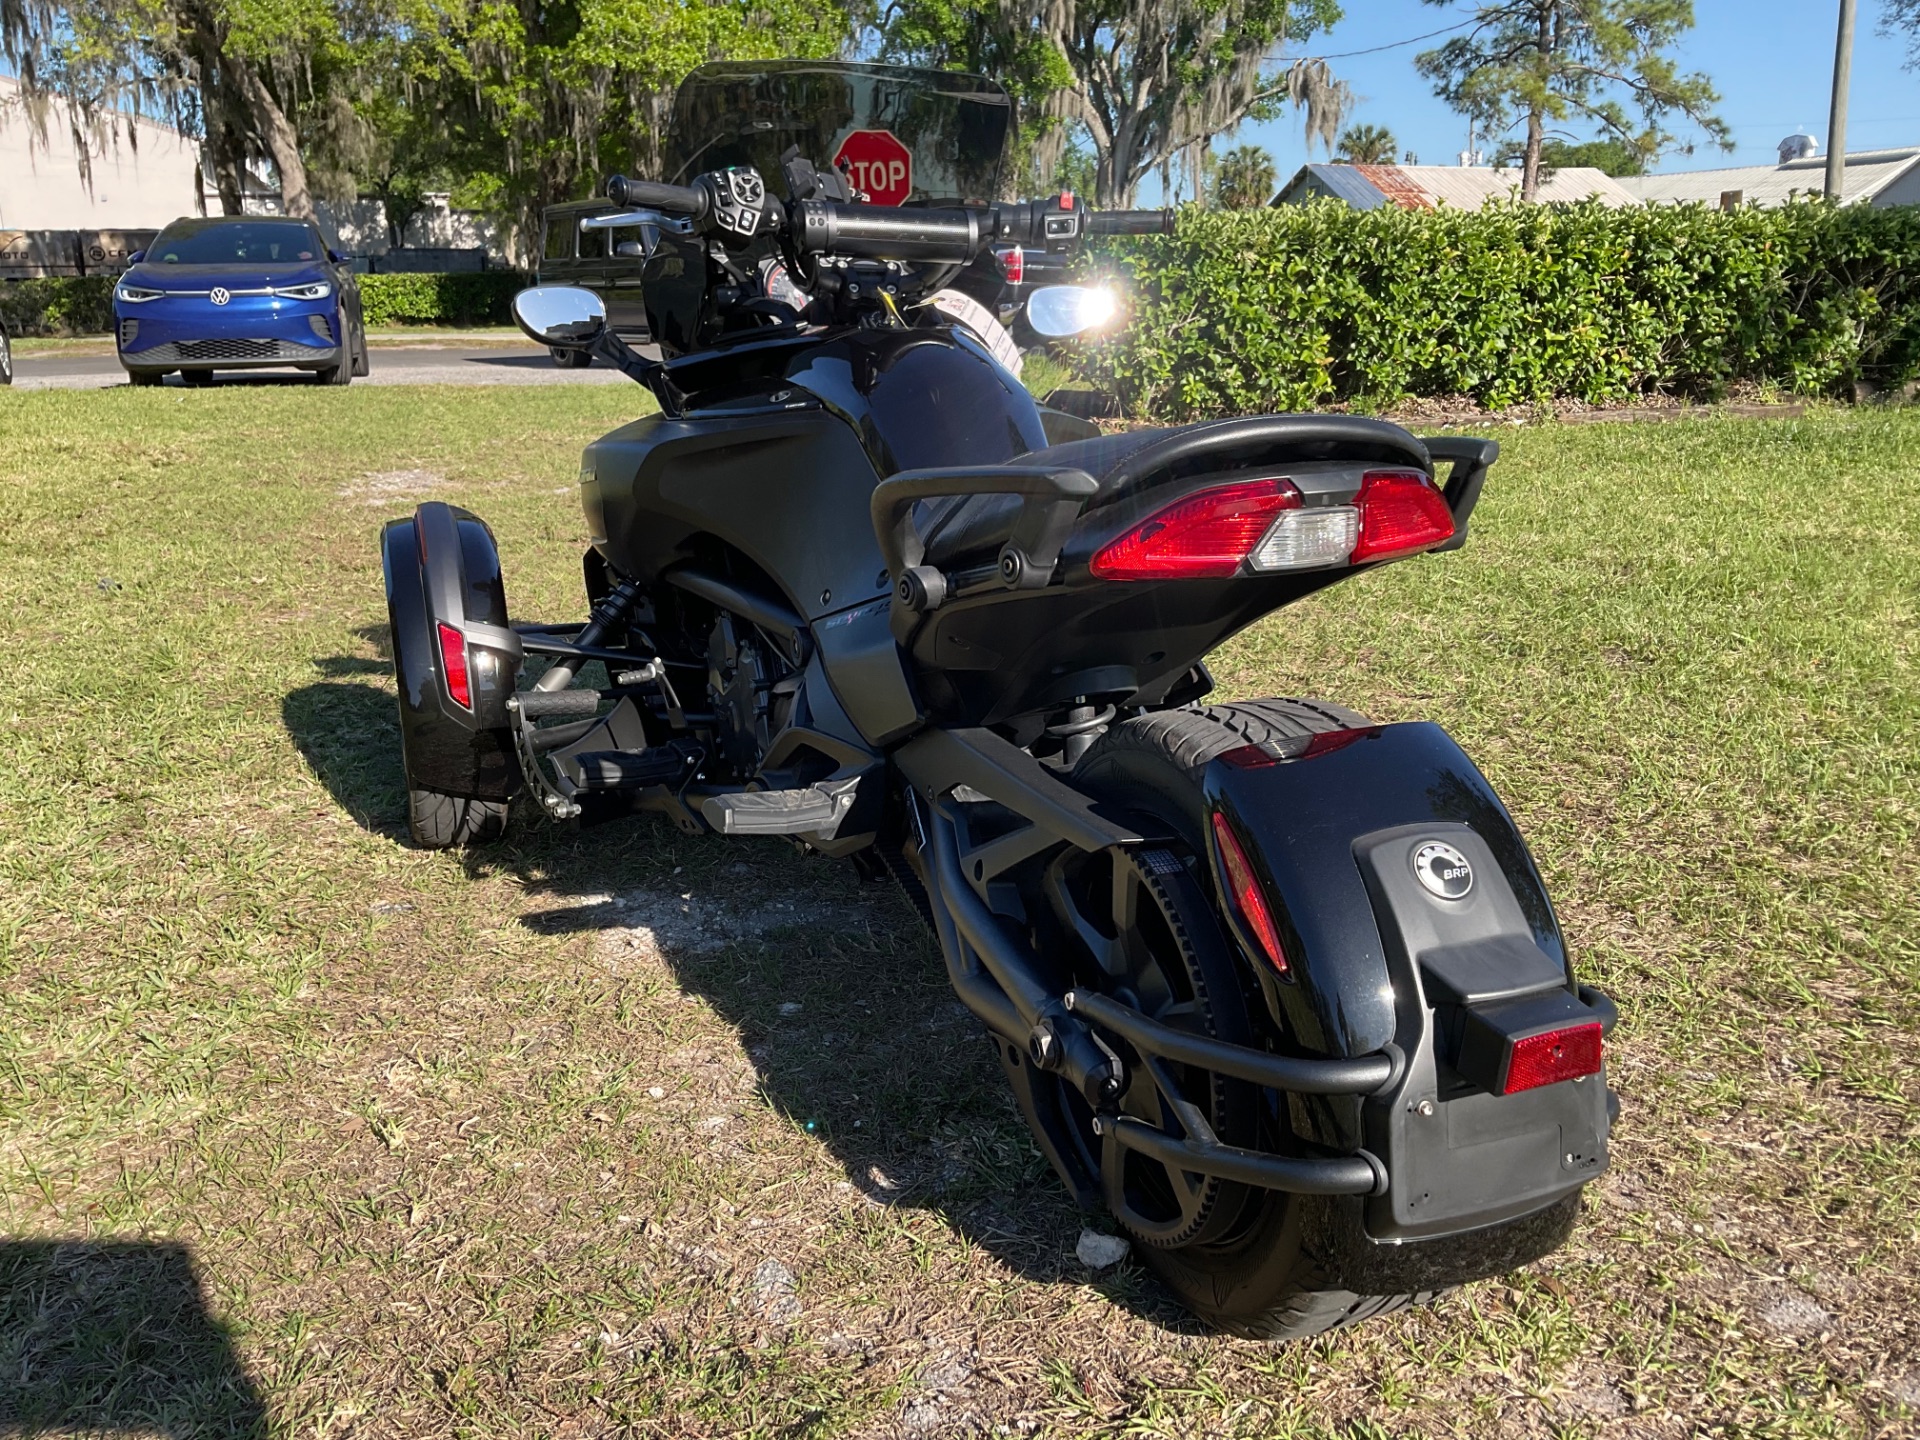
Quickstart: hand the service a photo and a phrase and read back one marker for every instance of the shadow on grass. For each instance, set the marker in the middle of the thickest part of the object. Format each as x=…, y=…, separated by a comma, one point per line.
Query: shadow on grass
x=350, y=735
x=99, y=1337
x=840, y=998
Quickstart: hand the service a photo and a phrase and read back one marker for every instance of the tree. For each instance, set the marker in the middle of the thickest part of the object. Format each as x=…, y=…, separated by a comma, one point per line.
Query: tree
x=1245, y=178
x=1366, y=145
x=1898, y=15
x=1610, y=157
x=227, y=69
x=1143, y=80
x=1545, y=61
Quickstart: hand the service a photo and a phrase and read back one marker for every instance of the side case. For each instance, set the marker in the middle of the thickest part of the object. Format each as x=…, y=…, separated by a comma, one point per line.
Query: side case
x=442, y=568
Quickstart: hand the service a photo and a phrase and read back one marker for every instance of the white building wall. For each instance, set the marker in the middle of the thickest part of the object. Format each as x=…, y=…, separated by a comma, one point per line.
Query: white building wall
x=138, y=184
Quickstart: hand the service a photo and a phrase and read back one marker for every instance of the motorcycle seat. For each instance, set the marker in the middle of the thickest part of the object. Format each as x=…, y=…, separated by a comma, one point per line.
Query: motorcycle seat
x=963, y=531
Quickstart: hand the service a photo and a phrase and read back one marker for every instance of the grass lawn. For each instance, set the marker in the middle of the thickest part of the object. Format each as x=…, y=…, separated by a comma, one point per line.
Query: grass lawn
x=303, y=1131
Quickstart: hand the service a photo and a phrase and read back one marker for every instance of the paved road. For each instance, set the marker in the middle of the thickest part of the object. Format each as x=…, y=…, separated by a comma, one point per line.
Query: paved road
x=512, y=363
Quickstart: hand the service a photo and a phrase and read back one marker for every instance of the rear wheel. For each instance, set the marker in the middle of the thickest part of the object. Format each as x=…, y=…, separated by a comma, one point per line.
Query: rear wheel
x=1240, y=1258
x=569, y=359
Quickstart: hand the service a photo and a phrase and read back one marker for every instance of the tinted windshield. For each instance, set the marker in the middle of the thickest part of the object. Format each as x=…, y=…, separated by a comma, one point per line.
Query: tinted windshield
x=953, y=126
x=256, y=242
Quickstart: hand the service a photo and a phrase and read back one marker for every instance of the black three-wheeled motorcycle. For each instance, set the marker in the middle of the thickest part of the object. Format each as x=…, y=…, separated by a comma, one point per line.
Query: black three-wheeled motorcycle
x=1279, y=987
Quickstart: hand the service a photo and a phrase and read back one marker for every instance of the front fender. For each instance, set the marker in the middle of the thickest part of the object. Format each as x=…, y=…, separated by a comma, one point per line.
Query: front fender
x=442, y=567
x=1377, y=963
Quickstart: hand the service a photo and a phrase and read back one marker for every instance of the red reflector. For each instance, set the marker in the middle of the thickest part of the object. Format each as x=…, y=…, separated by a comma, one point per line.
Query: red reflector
x=453, y=664
x=1208, y=535
x=1401, y=511
x=1013, y=265
x=1245, y=891
x=1555, y=1056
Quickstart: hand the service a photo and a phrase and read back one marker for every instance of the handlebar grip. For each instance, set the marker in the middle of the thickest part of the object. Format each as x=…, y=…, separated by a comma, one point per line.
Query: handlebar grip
x=1130, y=222
x=652, y=195
x=887, y=232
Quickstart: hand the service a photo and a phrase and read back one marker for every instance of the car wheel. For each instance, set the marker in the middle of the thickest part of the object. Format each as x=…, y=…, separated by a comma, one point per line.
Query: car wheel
x=362, y=361
x=341, y=374
x=579, y=359
x=144, y=377
x=6, y=359
x=196, y=377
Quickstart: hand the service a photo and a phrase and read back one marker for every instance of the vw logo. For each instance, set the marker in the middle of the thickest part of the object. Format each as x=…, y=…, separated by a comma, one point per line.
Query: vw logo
x=1443, y=870
x=220, y=295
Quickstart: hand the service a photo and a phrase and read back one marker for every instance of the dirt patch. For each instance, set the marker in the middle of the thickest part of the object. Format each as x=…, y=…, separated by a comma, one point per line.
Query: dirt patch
x=382, y=487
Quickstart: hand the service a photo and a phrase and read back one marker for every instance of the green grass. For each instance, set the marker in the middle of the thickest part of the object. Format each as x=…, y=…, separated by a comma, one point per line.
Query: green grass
x=303, y=1130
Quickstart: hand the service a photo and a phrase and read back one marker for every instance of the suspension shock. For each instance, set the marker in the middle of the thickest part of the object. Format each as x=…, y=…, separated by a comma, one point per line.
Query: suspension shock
x=611, y=613
x=1079, y=728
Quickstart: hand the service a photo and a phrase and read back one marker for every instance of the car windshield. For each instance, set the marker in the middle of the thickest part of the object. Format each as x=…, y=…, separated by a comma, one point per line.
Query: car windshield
x=953, y=126
x=256, y=242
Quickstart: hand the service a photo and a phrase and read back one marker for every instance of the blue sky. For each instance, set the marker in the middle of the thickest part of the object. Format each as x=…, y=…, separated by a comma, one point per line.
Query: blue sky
x=1772, y=62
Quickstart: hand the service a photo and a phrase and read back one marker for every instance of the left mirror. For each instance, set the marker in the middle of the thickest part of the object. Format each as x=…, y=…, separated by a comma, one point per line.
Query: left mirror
x=563, y=315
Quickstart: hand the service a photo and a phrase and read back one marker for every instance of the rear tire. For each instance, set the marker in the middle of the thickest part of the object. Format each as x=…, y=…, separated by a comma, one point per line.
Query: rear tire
x=441, y=822
x=1260, y=1277
x=570, y=359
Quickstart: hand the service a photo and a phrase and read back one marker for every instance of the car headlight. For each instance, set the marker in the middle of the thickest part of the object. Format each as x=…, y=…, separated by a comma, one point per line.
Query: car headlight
x=319, y=290
x=135, y=294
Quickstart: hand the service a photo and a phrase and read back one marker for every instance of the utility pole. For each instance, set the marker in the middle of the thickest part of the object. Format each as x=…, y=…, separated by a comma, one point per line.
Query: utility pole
x=1837, y=119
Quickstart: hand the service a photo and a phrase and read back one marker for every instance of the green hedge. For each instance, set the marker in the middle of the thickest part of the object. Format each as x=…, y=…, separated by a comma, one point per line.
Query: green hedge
x=83, y=305
x=473, y=299
x=1290, y=308
x=67, y=305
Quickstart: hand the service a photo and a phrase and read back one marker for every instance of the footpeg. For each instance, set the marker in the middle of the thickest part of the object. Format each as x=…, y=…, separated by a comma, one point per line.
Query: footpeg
x=543, y=704
x=781, y=812
x=630, y=770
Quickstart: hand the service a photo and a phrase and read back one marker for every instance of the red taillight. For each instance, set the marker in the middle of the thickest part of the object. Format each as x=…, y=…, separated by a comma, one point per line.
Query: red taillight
x=453, y=664
x=1401, y=511
x=1244, y=887
x=1013, y=265
x=1208, y=535
x=1555, y=1056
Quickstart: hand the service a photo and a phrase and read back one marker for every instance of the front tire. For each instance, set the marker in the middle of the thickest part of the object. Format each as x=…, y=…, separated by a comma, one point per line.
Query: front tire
x=442, y=822
x=1255, y=1271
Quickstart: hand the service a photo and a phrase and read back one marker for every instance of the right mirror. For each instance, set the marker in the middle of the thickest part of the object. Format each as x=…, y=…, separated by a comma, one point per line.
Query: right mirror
x=1061, y=310
x=563, y=315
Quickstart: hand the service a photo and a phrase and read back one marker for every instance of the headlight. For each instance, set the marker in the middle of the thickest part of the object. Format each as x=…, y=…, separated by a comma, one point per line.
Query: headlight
x=135, y=294
x=319, y=290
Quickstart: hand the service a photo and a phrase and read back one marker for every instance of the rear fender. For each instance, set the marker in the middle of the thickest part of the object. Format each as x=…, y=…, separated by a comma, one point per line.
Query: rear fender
x=1377, y=963
x=442, y=567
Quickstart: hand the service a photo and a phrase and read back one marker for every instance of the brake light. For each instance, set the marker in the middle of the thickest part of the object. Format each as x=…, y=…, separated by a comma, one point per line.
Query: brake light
x=1207, y=535
x=1013, y=264
x=1555, y=1056
x=453, y=664
x=1401, y=511
x=1243, y=888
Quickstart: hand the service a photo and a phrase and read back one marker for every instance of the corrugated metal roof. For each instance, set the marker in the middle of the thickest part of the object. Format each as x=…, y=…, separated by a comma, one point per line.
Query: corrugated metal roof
x=1868, y=172
x=1422, y=187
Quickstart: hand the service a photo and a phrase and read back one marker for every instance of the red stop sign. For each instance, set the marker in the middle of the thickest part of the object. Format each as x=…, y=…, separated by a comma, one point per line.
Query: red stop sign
x=878, y=164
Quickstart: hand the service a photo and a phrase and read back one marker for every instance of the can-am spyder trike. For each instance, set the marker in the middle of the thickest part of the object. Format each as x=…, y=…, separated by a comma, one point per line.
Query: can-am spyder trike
x=1278, y=987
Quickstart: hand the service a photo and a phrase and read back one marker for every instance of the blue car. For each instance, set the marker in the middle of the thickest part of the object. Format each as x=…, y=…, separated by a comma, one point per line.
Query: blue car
x=239, y=294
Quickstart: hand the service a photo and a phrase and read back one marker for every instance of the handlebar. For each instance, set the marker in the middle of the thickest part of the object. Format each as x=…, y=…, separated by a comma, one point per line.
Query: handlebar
x=1130, y=222
x=885, y=232
x=652, y=195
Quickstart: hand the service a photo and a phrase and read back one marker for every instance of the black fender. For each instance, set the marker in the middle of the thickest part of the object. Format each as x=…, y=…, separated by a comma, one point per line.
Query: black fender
x=1379, y=964
x=443, y=568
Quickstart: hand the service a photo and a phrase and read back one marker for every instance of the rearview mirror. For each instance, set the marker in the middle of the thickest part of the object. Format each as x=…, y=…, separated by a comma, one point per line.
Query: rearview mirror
x=1060, y=310
x=562, y=315
x=135, y=258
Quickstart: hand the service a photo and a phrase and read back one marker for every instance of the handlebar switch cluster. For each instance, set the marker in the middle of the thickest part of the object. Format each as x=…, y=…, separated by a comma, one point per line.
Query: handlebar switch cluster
x=739, y=199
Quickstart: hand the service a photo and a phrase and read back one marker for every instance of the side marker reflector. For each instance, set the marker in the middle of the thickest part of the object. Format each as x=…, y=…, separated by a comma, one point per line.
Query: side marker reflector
x=1243, y=887
x=453, y=665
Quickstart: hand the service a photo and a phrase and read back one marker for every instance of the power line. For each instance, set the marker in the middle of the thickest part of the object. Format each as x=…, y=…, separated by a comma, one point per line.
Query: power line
x=1398, y=44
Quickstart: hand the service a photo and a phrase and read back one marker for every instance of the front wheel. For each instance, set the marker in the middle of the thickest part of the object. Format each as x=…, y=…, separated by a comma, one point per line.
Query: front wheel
x=436, y=821
x=1242, y=1259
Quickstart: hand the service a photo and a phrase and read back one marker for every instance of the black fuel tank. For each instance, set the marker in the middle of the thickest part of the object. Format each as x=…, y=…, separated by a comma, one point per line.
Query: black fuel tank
x=780, y=444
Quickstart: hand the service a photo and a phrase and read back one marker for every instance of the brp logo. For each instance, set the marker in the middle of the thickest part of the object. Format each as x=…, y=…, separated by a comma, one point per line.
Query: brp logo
x=1443, y=870
x=220, y=295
